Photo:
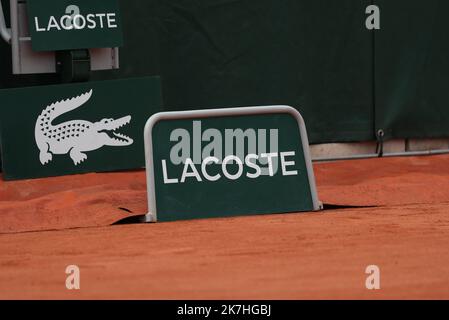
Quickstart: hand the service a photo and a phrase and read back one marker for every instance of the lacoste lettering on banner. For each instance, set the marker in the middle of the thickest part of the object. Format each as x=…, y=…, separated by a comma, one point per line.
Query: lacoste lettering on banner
x=77, y=22
x=76, y=136
x=250, y=161
x=74, y=24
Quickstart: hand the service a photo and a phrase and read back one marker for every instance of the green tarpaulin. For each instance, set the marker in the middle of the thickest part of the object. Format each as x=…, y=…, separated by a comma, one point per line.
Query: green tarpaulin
x=315, y=55
x=412, y=69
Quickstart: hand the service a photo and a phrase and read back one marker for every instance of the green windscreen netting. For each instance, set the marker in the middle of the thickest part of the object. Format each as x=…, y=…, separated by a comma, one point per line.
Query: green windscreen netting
x=315, y=55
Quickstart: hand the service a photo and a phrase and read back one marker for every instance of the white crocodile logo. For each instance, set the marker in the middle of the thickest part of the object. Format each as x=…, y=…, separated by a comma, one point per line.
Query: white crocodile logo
x=77, y=136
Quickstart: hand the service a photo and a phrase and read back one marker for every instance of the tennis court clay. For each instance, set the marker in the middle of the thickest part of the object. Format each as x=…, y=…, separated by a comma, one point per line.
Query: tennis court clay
x=389, y=212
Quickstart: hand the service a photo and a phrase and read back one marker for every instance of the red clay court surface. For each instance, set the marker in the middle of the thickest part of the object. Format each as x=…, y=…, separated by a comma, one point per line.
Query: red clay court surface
x=402, y=226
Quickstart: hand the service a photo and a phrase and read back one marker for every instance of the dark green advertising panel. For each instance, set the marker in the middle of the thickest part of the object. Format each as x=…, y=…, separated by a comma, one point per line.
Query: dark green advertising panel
x=228, y=162
x=412, y=69
x=74, y=24
x=76, y=128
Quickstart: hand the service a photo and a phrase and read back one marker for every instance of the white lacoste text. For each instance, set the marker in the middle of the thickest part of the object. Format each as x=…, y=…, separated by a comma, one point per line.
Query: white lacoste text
x=77, y=22
x=250, y=161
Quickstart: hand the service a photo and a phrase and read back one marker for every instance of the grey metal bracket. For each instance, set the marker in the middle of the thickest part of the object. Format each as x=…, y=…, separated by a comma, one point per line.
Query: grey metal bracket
x=73, y=65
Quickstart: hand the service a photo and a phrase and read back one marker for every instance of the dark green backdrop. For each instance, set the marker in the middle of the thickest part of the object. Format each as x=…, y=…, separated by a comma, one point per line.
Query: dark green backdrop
x=412, y=69
x=315, y=55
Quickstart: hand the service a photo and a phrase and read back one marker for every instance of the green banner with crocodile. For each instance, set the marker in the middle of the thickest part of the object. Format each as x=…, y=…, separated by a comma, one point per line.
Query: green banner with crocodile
x=76, y=128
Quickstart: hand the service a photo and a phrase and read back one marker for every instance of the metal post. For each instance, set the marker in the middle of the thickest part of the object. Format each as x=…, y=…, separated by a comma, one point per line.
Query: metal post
x=5, y=33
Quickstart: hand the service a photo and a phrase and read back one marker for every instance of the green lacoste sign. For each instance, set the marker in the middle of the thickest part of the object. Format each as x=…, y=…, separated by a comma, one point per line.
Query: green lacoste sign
x=228, y=162
x=76, y=128
x=74, y=24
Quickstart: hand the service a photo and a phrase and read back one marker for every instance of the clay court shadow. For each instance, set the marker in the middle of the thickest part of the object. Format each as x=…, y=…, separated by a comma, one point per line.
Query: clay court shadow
x=137, y=219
